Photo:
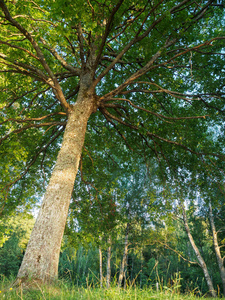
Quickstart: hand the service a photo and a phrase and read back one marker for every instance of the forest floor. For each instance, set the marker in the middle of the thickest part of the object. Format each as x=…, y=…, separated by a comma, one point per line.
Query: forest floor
x=63, y=291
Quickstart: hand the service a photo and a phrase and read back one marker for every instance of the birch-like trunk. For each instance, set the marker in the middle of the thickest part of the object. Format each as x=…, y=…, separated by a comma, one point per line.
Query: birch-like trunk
x=198, y=255
x=41, y=259
x=100, y=267
x=220, y=260
x=125, y=274
x=108, y=275
x=124, y=260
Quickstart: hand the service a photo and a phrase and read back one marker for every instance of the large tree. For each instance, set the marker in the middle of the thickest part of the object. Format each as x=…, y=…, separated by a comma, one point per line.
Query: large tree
x=149, y=70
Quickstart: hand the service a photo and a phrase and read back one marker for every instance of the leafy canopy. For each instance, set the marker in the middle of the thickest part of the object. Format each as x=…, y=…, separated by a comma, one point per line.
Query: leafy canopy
x=156, y=69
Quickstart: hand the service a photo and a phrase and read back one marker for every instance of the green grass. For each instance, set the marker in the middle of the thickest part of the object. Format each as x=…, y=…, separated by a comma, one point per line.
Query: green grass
x=62, y=290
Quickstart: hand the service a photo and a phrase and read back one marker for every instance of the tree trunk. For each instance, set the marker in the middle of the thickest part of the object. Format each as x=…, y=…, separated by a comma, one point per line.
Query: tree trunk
x=108, y=276
x=141, y=268
x=217, y=249
x=125, y=274
x=198, y=255
x=124, y=260
x=100, y=266
x=85, y=265
x=41, y=259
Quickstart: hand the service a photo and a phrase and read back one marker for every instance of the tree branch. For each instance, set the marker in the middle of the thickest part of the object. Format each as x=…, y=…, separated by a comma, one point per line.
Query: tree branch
x=136, y=128
x=178, y=253
x=19, y=48
x=107, y=30
x=160, y=116
x=31, y=126
x=42, y=148
x=32, y=119
x=75, y=71
x=57, y=89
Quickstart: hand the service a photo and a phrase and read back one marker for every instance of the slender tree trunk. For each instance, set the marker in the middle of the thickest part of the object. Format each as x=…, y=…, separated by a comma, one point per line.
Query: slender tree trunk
x=141, y=268
x=198, y=255
x=124, y=260
x=125, y=274
x=85, y=265
x=42, y=254
x=108, y=276
x=220, y=260
x=100, y=266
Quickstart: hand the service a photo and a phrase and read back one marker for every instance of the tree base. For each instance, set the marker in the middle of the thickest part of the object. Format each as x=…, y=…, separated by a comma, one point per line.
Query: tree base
x=27, y=283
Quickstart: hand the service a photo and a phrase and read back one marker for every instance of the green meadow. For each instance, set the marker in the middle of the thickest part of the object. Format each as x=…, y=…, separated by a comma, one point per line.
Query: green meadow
x=62, y=290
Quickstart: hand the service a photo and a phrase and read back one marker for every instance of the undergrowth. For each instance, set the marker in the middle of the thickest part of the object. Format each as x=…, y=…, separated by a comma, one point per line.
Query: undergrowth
x=64, y=290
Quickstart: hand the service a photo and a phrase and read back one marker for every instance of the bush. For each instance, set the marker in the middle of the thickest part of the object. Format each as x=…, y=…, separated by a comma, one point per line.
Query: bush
x=11, y=256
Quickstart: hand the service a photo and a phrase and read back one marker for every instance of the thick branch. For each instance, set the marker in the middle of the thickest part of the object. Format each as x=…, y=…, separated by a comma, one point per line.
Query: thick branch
x=23, y=68
x=81, y=44
x=57, y=89
x=139, y=73
x=107, y=30
x=136, y=39
x=62, y=61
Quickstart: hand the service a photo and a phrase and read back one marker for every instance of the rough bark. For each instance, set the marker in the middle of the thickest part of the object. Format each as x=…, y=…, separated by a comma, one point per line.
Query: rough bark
x=220, y=260
x=198, y=255
x=42, y=255
x=124, y=260
x=108, y=276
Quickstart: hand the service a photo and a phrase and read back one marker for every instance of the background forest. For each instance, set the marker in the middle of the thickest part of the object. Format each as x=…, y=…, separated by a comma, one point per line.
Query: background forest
x=131, y=233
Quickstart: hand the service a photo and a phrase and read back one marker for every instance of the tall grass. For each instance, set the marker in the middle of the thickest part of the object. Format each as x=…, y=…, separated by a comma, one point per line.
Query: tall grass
x=64, y=290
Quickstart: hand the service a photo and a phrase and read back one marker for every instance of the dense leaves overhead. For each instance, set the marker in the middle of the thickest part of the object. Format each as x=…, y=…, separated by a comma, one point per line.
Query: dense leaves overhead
x=156, y=72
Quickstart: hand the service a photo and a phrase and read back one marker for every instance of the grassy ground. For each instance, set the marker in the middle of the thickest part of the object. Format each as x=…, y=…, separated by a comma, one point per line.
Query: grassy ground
x=63, y=291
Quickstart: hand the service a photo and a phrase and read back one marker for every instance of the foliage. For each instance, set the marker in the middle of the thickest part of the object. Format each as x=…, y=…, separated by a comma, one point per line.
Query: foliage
x=15, y=235
x=148, y=76
x=156, y=255
x=10, y=257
